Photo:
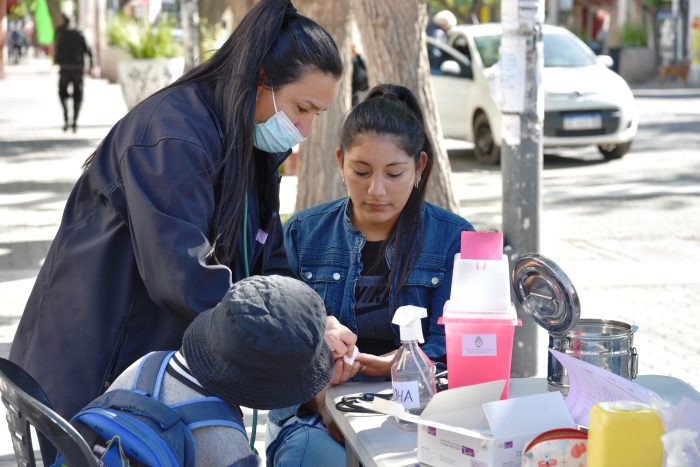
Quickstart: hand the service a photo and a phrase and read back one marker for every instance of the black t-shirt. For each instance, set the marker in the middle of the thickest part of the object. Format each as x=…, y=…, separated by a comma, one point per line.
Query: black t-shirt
x=71, y=49
x=372, y=312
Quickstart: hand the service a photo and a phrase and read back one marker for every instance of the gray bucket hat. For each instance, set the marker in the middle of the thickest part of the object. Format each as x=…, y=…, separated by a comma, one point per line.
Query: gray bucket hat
x=263, y=345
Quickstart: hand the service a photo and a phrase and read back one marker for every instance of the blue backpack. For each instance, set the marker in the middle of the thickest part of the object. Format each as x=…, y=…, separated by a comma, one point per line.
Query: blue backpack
x=135, y=424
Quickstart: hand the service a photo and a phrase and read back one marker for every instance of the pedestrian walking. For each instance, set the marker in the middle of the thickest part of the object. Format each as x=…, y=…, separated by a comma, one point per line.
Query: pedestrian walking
x=69, y=54
x=17, y=42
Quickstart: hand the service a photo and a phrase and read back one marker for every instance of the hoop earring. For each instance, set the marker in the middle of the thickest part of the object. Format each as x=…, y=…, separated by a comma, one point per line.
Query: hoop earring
x=417, y=182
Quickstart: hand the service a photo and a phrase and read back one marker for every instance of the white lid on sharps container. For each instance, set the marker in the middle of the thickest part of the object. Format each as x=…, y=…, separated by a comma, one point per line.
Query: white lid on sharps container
x=407, y=318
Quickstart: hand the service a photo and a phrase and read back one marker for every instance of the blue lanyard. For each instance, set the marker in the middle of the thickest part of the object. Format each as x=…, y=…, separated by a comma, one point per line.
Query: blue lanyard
x=246, y=268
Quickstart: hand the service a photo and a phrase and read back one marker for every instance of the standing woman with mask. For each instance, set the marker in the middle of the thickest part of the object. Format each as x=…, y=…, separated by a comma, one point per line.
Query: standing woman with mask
x=179, y=201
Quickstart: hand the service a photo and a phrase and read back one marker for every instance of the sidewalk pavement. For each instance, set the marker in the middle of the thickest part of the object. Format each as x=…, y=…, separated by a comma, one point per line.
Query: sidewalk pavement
x=39, y=164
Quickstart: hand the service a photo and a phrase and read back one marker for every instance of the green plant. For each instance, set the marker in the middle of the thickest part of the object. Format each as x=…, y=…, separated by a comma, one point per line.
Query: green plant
x=141, y=38
x=633, y=35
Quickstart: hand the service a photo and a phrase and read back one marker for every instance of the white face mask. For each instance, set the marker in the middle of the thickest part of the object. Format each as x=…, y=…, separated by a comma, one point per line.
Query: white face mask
x=277, y=134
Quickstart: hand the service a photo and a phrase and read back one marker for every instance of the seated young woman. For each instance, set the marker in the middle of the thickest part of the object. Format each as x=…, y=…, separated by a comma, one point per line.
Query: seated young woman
x=366, y=254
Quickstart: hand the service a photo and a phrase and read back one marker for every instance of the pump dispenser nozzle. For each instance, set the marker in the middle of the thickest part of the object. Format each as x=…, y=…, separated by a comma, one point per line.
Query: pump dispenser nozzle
x=407, y=318
x=674, y=444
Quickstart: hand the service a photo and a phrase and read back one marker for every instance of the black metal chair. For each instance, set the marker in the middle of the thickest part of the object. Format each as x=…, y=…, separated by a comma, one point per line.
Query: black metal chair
x=27, y=405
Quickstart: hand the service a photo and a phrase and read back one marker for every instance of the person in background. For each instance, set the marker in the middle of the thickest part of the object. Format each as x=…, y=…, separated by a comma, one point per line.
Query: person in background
x=69, y=54
x=445, y=20
x=178, y=202
x=360, y=81
x=381, y=247
x=438, y=28
x=262, y=347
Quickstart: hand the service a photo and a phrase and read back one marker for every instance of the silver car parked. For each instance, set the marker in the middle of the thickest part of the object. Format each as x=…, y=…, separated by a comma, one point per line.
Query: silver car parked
x=586, y=103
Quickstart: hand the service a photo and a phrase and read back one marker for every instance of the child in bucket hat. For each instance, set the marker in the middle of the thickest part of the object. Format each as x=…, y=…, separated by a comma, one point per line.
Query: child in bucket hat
x=261, y=347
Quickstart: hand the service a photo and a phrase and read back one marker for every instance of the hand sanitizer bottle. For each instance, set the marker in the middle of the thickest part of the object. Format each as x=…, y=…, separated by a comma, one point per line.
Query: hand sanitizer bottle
x=412, y=372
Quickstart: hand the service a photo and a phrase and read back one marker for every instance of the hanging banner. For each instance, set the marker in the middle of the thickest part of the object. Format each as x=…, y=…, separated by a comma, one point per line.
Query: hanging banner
x=43, y=24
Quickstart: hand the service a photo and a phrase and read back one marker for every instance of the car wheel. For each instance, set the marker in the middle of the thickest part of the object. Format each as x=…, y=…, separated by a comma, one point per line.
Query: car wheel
x=486, y=150
x=614, y=151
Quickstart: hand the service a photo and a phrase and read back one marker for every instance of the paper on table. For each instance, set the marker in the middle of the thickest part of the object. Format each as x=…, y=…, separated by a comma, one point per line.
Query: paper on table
x=589, y=384
x=686, y=415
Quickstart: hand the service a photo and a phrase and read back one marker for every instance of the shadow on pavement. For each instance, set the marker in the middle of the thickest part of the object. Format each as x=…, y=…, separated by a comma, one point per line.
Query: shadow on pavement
x=60, y=188
x=692, y=125
x=23, y=256
x=10, y=148
x=462, y=160
x=9, y=460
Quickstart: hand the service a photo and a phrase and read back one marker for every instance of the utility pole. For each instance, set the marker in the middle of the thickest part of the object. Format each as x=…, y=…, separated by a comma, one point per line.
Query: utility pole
x=521, y=62
x=553, y=12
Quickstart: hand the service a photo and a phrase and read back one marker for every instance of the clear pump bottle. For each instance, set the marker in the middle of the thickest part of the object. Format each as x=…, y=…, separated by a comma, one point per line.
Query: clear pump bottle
x=412, y=372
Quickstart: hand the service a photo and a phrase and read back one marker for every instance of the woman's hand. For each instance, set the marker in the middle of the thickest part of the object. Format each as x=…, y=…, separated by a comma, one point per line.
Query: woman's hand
x=339, y=338
x=376, y=365
x=343, y=371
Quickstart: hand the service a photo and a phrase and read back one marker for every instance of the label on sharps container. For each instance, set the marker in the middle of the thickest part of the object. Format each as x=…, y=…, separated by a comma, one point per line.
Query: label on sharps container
x=478, y=345
x=406, y=393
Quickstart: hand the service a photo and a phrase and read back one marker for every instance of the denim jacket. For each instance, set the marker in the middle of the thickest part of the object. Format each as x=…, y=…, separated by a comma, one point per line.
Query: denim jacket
x=324, y=250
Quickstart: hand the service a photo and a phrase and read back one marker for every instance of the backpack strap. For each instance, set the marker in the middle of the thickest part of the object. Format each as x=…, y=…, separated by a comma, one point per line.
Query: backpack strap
x=195, y=413
x=149, y=376
x=209, y=411
x=139, y=404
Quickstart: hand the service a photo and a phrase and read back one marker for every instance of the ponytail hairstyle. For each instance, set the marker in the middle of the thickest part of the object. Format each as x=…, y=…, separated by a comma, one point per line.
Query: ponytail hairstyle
x=390, y=109
x=285, y=44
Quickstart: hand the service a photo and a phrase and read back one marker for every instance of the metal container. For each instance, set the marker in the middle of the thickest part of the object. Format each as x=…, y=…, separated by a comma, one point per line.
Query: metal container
x=549, y=297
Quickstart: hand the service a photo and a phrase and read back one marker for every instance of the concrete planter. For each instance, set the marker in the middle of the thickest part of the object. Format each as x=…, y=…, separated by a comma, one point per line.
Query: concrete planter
x=139, y=78
x=110, y=58
x=637, y=64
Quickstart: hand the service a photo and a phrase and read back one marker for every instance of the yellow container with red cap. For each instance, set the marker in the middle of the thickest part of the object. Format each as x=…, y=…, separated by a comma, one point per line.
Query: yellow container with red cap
x=624, y=434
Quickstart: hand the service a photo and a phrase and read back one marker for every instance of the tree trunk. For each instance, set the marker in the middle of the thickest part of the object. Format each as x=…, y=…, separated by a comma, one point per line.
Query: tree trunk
x=211, y=10
x=239, y=8
x=390, y=31
x=318, y=175
x=55, y=11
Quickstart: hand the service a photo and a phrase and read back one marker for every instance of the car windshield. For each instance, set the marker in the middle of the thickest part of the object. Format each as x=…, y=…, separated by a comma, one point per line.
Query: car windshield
x=560, y=50
x=488, y=49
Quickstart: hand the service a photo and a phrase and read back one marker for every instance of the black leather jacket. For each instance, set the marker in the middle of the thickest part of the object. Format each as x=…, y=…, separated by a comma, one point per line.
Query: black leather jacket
x=127, y=270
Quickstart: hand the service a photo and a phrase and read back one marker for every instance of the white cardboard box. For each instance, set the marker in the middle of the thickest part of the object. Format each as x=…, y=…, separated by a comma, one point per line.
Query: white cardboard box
x=470, y=426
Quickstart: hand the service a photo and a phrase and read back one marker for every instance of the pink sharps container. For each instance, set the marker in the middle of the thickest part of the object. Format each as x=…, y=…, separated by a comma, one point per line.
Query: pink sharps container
x=479, y=318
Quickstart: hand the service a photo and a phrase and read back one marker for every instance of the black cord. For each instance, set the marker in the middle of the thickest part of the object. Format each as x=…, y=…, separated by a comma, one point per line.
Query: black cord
x=349, y=403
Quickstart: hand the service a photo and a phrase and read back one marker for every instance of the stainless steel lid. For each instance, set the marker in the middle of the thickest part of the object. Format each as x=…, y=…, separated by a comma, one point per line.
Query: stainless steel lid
x=546, y=293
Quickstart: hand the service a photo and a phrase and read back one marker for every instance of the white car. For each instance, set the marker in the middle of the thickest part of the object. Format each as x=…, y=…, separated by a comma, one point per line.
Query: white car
x=586, y=103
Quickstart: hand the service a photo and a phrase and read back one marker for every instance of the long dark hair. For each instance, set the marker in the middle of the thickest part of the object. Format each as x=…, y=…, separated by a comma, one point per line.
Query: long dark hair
x=390, y=109
x=275, y=38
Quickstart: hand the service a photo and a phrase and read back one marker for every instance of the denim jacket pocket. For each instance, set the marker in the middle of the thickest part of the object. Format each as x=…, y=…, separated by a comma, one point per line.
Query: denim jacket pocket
x=427, y=274
x=328, y=281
